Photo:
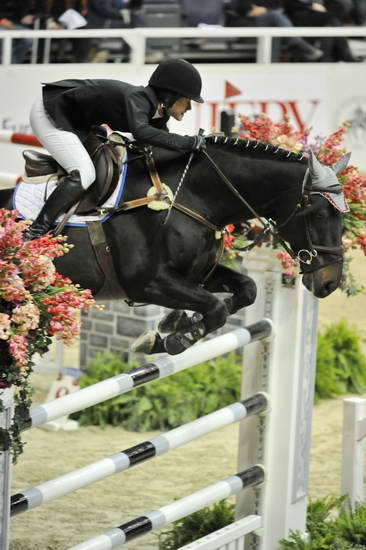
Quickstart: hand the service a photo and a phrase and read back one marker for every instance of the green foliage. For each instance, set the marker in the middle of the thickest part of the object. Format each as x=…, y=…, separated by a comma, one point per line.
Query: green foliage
x=331, y=525
x=352, y=524
x=349, y=285
x=341, y=365
x=166, y=403
x=196, y=525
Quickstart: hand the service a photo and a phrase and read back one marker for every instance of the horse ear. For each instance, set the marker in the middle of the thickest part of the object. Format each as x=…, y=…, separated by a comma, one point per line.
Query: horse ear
x=314, y=164
x=315, y=168
x=341, y=164
x=322, y=177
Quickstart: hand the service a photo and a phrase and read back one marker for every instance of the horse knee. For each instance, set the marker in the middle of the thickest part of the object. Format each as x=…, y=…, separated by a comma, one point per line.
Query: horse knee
x=217, y=316
x=246, y=296
x=250, y=292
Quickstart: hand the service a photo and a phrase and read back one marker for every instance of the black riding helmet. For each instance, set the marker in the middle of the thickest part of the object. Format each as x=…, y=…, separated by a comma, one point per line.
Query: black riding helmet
x=180, y=76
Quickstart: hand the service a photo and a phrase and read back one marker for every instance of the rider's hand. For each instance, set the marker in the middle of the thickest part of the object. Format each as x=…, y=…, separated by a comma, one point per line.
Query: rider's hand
x=256, y=11
x=318, y=7
x=199, y=143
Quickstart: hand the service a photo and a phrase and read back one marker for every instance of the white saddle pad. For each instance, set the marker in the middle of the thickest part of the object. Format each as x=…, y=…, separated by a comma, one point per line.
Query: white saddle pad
x=28, y=199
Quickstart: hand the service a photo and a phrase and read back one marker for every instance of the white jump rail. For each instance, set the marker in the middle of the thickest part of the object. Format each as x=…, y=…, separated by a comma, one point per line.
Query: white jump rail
x=230, y=537
x=9, y=180
x=175, y=510
x=160, y=368
x=119, y=462
x=136, y=38
x=283, y=367
x=354, y=432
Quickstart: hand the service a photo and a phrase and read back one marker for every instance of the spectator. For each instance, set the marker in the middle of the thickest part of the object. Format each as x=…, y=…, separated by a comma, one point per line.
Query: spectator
x=114, y=14
x=15, y=15
x=268, y=13
x=80, y=46
x=111, y=13
x=135, y=11
x=210, y=12
x=353, y=11
x=306, y=13
x=358, y=12
x=340, y=8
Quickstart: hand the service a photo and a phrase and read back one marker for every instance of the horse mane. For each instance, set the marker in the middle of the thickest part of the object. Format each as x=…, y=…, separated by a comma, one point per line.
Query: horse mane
x=257, y=148
x=248, y=147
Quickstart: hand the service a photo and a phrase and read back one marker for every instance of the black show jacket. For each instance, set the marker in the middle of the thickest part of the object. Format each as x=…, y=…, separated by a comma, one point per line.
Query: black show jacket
x=76, y=105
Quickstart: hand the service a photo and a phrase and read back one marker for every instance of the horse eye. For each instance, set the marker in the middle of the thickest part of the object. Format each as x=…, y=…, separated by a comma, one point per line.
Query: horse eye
x=320, y=215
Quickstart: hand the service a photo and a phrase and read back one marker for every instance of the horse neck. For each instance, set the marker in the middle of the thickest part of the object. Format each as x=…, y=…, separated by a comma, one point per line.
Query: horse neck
x=270, y=185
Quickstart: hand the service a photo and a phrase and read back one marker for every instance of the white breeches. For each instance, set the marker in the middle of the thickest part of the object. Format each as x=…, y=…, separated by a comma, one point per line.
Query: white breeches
x=65, y=147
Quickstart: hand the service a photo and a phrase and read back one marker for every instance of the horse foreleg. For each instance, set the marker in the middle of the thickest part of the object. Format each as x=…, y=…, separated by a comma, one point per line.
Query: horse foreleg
x=242, y=287
x=223, y=279
x=175, y=292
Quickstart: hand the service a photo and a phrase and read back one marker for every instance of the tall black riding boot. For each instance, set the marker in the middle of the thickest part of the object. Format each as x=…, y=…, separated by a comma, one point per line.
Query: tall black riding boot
x=67, y=193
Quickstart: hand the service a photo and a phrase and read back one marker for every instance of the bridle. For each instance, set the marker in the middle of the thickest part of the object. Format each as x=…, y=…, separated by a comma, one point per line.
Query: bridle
x=304, y=256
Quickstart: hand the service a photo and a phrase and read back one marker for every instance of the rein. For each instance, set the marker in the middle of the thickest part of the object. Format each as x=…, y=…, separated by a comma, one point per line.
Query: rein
x=304, y=256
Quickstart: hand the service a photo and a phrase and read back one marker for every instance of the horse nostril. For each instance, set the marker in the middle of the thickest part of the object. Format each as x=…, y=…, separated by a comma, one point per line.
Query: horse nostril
x=330, y=286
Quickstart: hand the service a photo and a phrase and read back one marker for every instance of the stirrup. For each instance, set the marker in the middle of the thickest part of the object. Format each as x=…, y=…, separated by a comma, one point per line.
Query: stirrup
x=30, y=234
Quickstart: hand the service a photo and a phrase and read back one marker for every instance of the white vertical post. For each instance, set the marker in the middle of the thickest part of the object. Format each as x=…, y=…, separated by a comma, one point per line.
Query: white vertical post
x=285, y=368
x=7, y=45
x=5, y=470
x=264, y=49
x=35, y=41
x=354, y=430
x=137, y=42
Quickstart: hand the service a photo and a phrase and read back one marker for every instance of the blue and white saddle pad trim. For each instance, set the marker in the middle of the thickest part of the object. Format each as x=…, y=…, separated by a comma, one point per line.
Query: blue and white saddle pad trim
x=29, y=198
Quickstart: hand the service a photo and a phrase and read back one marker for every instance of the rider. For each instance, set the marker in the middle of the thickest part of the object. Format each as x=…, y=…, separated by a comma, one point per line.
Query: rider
x=62, y=117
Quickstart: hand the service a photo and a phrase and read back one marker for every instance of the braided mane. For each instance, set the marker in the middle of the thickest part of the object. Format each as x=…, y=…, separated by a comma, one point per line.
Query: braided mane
x=257, y=148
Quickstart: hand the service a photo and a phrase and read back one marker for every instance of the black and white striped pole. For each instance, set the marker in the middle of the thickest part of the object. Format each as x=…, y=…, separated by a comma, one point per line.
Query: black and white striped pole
x=175, y=510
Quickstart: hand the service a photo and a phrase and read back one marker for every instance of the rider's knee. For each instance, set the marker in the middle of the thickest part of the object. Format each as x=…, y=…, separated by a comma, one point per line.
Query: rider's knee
x=87, y=175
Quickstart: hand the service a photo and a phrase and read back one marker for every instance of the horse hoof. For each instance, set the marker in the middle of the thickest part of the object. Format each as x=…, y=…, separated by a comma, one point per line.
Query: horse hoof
x=146, y=342
x=170, y=322
x=176, y=343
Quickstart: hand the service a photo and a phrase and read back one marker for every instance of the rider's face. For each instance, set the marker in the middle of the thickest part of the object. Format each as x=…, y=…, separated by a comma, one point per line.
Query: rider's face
x=179, y=108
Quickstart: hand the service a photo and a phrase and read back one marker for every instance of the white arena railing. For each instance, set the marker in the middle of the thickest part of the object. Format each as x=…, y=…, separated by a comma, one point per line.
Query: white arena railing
x=136, y=38
x=353, y=451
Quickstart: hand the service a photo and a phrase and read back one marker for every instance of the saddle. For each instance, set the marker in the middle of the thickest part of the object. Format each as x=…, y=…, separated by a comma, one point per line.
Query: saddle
x=107, y=153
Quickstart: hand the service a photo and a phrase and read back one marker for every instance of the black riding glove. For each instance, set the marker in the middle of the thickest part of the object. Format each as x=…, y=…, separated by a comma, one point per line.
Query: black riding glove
x=199, y=143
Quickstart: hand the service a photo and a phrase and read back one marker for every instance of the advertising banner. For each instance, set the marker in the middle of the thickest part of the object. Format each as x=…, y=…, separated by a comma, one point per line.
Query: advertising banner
x=318, y=96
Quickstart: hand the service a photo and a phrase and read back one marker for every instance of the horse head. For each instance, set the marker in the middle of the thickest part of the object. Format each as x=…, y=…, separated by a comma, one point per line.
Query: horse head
x=318, y=246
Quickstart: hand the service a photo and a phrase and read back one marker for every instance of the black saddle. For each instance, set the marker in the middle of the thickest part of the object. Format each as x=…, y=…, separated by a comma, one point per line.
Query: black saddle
x=107, y=154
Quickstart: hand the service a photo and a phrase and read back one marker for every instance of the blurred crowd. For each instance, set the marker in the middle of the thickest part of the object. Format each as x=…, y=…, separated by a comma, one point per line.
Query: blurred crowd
x=99, y=14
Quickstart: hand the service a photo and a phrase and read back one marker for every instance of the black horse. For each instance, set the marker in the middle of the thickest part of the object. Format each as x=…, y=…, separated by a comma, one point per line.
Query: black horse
x=174, y=264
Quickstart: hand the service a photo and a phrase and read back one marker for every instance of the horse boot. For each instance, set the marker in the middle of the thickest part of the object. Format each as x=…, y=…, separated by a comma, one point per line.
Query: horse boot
x=66, y=194
x=180, y=341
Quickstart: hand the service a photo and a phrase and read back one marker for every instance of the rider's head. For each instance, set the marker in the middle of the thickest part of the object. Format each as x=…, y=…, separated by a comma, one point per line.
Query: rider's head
x=176, y=82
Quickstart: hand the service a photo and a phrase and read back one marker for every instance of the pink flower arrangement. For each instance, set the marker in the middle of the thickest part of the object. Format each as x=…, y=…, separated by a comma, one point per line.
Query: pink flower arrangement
x=328, y=150
x=36, y=302
x=229, y=238
x=262, y=128
x=289, y=265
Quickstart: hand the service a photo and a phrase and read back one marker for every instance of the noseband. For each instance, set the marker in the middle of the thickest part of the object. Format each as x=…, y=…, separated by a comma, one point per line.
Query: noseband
x=304, y=256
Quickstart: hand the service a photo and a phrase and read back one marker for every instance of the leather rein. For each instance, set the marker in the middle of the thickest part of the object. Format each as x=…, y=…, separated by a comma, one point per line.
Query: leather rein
x=303, y=256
